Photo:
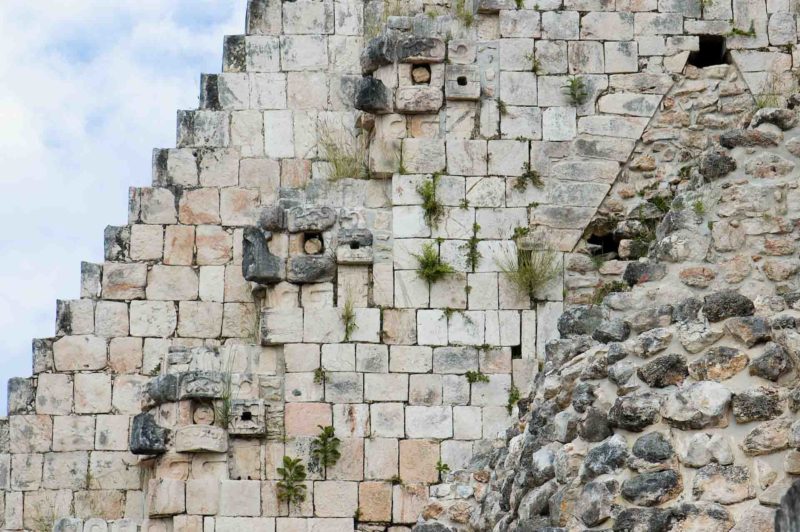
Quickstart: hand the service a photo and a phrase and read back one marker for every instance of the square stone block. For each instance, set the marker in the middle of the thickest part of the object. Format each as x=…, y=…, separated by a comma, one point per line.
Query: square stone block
x=418, y=460
x=303, y=419
x=380, y=458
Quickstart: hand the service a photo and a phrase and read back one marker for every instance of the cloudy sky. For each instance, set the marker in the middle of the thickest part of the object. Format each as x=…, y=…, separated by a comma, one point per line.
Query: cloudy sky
x=87, y=89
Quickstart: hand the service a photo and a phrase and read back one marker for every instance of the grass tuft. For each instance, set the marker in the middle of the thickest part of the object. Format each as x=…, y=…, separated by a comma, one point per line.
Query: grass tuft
x=431, y=266
x=346, y=155
x=530, y=270
x=434, y=210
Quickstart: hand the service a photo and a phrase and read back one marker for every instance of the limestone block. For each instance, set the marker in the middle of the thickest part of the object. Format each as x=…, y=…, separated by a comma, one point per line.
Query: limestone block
x=127, y=393
x=247, y=129
x=73, y=353
x=457, y=360
x=521, y=122
x=158, y=206
x=466, y=157
x=418, y=460
x=238, y=206
x=92, y=393
x=658, y=23
x=26, y=472
x=301, y=387
x=175, y=167
x=410, y=289
x=303, y=419
x=432, y=327
x=515, y=54
x=518, y=88
x=53, y=395
x=455, y=390
x=387, y=420
x=456, y=454
x=304, y=52
x=262, y=52
x=240, y=498
x=607, y=26
x=621, y=57
x=199, y=319
x=339, y=357
x=111, y=319
x=507, y=157
x=351, y=420
x=559, y=123
x=153, y=318
x=380, y=456
x=410, y=359
x=243, y=524
x=385, y=387
x=520, y=23
x=201, y=438
x=612, y=126
x=147, y=242
x=281, y=326
x=560, y=25
x=267, y=91
x=782, y=29
x=586, y=57
x=466, y=328
x=425, y=390
x=165, y=497
x=495, y=421
x=466, y=422
x=423, y=156
x=324, y=326
x=196, y=128
x=344, y=387
x=482, y=290
x=278, y=134
x=375, y=501
x=462, y=82
x=308, y=17
x=124, y=281
x=214, y=245
x=29, y=433
x=111, y=433
x=335, y=498
x=399, y=327
x=212, y=283
x=492, y=393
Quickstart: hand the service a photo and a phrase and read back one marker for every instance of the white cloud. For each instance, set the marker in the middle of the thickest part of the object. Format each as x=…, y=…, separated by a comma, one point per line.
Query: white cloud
x=89, y=88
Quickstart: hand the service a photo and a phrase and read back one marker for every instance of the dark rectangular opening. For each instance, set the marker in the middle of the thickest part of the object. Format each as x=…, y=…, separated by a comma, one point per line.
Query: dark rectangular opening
x=712, y=52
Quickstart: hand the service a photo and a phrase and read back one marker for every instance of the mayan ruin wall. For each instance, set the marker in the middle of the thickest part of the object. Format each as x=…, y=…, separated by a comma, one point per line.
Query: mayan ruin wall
x=444, y=265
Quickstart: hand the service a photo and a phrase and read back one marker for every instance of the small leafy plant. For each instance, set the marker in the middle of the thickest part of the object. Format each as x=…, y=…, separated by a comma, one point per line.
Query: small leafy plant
x=476, y=376
x=606, y=288
x=349, y=317
x=431, y=266
x=513, y=398
x=325, y=447
x=473, y=255
x=291, y=486
x=699, y=207
x=576, y=90
x=529, y=177
x=501, y=107
x=319, y=376
x=530, y=269
x=738, y=32
x=463, y=13
x=442, y=468
x=433, y=208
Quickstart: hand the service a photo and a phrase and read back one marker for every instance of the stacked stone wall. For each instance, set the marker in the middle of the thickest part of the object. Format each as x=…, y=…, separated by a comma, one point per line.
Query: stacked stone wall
x=270, y=284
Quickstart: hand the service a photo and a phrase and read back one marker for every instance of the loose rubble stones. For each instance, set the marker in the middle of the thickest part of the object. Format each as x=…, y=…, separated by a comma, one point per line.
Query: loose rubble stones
x=772, y=363
x=664, y=371
x=718, y=364
x=635, y=412
x=726, y=304
x=756, y=404
x=697, y=406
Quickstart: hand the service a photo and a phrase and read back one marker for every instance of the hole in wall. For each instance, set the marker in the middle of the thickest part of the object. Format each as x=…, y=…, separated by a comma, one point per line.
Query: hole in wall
x=516, y=351
x=602, y=244
x=354, y=245
x=712, y=52
x=421, y=74
x=462, y=81
x=247, y=416
x=313, y=244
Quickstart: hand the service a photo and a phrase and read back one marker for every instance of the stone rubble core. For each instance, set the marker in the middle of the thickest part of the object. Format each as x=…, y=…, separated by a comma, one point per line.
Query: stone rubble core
x=270, y=283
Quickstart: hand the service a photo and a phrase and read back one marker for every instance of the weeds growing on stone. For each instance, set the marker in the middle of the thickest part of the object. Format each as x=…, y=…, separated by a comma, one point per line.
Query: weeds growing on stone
x=513, y=398
x=530, y=269
x=576, y=90
x=699, y=207
x=501, y=107
x=609, y=287
x=442, y=468
x=319, y=376
x=345, y=155
x=325, y=447
x=738, y=32
x=431, y=266
x=291, y=486
x=473, y=255
x=529, y=177
x=223, y=407
x=463, y=13
x=433, y=208
x=349, y=316
x=476, y=376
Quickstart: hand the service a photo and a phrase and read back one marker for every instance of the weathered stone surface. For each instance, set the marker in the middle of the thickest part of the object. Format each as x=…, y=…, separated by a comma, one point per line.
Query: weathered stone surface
x=718, y=364
x=726, y=304
x=643, y=272
x=749, y=330
x=635, y=412
x=652, y=488
x=697, y=405
x=748, y=138
x=581, y=320
x=147, y=437
x=372, y=96
x=651, y=342
x=768, y=437
x=311, y=269
x=612, y=331
x=595, y=503
x=606, y=457
x=756, y=404
x=783, y=118
x=259, y=265
x=715, y=165
x=653, y=448
x=723, y=484
x=664, y=371
x=201, y=438
x=772, y=363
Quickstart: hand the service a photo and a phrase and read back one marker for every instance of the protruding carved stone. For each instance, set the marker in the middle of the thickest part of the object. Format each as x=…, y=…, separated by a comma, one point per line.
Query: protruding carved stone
x=248, y=417
x=147, y=437
x=311, y=269
x=200, y=439
x=372, y=96
x=300, y=219
x=259, y=265
x=462, y=82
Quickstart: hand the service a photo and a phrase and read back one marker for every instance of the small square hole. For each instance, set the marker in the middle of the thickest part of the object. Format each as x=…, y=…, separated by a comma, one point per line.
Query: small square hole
x=462, y=81
x=712, y=52
x=516, y=351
